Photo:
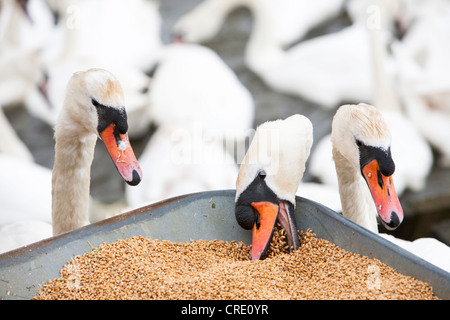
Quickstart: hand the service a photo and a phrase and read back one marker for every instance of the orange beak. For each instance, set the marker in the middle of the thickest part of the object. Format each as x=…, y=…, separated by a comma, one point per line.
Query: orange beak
x=263, y=228
x=122, y=154
x=383, y=193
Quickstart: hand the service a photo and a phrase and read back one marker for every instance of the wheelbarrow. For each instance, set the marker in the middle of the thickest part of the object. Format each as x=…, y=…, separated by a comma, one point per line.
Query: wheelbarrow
x=207, y=216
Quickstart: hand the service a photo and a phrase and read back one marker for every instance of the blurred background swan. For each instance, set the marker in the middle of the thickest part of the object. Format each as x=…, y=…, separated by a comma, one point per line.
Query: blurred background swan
x=42, y=42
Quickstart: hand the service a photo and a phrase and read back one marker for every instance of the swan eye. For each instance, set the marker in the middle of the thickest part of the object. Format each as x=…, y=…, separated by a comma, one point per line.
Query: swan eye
x=95, y=103
x=262, y=175
x=359, y=143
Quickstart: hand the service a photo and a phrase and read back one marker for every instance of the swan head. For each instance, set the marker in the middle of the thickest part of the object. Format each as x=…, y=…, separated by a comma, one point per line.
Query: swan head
x=95, y=103
x=268, y=180
x=361, y=136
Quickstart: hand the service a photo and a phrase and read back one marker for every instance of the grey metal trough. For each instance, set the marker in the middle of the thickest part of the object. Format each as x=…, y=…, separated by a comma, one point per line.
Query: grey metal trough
x=208, y=216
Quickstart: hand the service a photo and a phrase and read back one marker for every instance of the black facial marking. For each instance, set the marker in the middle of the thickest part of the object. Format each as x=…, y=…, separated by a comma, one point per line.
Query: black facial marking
x=257, y=191
x=108, y=115
x=384, y=158
x=136, y=179
x=393, y=223
x=380, y=179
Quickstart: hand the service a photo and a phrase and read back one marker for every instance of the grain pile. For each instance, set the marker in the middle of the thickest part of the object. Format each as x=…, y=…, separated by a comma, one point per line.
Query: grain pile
x=142, y=268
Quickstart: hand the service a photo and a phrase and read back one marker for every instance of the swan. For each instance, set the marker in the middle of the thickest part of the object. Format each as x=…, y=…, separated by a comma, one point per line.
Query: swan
x=192, y=84
x=360, y=140
x=362, y=156
x=268, y=179
x=292, y=18
x=93, y=107
x=182, y=160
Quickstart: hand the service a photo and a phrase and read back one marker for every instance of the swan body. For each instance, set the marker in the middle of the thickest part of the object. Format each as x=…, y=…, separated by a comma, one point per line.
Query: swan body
x=26, y=191
x=94, y=107
x=326, y=70
x=429, y=249
x=310, y=71
x=10, y=143
x=181, y=160
x=192, y=84
x=21, y=233
x=323, y=194
x=269, y=178
x=292, y=19
x=126, y=33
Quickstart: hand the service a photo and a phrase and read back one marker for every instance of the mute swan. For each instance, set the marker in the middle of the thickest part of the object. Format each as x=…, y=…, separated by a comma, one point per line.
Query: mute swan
x=359, y=136
x=362, y=155
x=292, y=18
x=268, y=179
x=192, y=84
x=93, y=107
x=182, y=160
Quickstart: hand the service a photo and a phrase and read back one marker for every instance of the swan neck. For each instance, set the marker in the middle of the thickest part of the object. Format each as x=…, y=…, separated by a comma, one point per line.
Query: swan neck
x=356, y=200
x=74, y=152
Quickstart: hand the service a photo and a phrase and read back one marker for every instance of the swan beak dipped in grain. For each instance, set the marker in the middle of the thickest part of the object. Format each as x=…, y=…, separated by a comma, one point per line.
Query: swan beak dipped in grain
x=268, y=179
x=268, y=215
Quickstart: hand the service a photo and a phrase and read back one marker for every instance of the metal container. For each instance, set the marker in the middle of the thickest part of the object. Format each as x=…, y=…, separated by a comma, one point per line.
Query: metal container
x=207, y=216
